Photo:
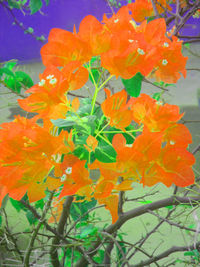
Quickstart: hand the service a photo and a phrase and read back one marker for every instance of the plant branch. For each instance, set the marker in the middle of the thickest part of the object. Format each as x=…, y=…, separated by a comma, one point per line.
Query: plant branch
x=60, y=229
x=41, y=221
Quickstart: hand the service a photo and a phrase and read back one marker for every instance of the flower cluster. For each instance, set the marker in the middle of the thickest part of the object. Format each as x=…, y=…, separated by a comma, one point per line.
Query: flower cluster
x=125, y=48
x=135, y=140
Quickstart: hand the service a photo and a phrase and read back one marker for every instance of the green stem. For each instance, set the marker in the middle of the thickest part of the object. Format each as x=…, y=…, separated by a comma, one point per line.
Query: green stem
x=97, y=89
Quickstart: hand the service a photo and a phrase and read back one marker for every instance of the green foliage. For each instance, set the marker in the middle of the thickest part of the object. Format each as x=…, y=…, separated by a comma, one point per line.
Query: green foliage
x=35, y=5
x=14, y=80
x=17, y=205
x=78, y=209
x=120, y=250
x=105, y=152
x=129, y=137
x=133, y=86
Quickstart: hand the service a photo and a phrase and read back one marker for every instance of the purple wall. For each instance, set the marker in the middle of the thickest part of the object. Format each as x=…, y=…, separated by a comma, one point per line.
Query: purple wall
x=14, y=44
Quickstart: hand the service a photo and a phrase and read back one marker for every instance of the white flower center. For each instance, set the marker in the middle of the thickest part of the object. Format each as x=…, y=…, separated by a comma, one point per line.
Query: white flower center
x=49, y=77
x=63, y=178
x=42, y=82
x=160, y=103
x=164, y=62
x=140, y=51
x=166, y=44
x=68, y=170
x=128, y=145
x=53, y=81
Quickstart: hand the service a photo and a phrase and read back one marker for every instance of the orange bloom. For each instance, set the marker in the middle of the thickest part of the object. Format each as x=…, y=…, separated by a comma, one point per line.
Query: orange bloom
x=94, y=34
x=149, y=161
x=155, y=116
x=74, y=175
x=172, y=62
x=142, y=9
x=92, y=143
x=116, y=109
x=64, y=47
x=111, y=203
x=27, y=155
x=48, y=96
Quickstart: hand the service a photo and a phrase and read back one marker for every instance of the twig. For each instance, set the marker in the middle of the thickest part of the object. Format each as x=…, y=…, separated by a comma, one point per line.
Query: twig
x=118, y=246
x=155, y=8
x=41, y=221
x=172, y=223
x=165, y=254
x=60, y=229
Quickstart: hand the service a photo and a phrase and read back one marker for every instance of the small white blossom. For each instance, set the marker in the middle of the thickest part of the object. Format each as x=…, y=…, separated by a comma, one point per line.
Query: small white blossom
x=172, y=142
x=164, y=62
x=116, y=20
x=63, y=178
x=68, y=170
x=160, y=103
x=130, y=41
x=49, y=77
x=140, y=51
x=166, y=44
x=53, y=81
x=128, y=145
x=42, y=82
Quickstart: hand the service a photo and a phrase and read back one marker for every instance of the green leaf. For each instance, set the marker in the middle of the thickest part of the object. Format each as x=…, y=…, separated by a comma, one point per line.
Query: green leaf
x=6, y=71
x=123, y=248
x=133, y=86
x=13, y=4
x=10, y=65
x=145, y=202
x=169, y=207
x=128, y=137
x=88, y=230
x=40, y=204
x=64, y=122
x=80, y=208
x=24, y=78
x=17, y=205
x=105, y=152
x=30, y=217
x=157, y=96
x=35, y=5
x=47, y=2
x=187, y=45
x=189, y=253
x=13, y=84
x=100, y=256
x=0, y=220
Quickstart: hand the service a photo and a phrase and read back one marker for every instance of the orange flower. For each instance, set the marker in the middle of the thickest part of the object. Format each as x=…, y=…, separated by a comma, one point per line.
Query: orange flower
x=142, y=9
x=111, y=203
x=64, y=47
x=74, y=175
x=92, y=143
x=149, y=161
x=118, y=22
x=116, y=109
x=94, y=34
x=172, y=62
x=48, y=96
x=155, y=116
x=179, y=135
x=27, y=155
